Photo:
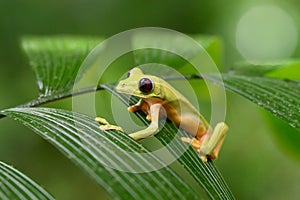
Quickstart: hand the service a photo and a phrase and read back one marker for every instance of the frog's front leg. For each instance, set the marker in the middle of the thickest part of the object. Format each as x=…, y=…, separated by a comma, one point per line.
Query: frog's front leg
x=140, y=105
x=152, y=129
x=136, y=107
x=106, y=125
x=212, y=143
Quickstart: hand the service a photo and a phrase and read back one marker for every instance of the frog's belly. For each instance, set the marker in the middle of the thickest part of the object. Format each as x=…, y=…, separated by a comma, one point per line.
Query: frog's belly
x=192, y=125
x=188, y=122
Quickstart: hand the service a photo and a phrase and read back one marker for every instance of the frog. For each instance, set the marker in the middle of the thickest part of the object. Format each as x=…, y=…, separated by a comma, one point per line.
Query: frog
x=158, y=99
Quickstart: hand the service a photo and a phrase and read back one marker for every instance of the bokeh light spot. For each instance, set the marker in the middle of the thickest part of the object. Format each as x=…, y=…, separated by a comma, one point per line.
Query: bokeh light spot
x=266, y=33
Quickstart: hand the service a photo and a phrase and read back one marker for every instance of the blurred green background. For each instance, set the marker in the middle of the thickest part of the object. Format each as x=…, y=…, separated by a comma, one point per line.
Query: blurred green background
x=253, y=161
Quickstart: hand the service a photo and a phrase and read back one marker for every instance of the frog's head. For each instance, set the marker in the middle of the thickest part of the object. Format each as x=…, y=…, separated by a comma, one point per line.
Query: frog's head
x=140, y=85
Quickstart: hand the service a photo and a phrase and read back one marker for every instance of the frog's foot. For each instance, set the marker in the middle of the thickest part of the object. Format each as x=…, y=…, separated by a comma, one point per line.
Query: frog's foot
x=101, y=120
x=148, y=117
x=133, y=108
x=106, y=125
x=193, y=141
x=196, y=144
x=111, y=127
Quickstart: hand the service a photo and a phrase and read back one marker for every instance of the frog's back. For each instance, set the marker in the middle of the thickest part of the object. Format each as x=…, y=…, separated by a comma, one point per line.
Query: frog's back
x=177, y=100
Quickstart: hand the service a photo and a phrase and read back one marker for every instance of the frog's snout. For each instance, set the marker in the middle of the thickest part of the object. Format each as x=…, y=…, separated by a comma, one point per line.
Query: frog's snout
x=120, y=87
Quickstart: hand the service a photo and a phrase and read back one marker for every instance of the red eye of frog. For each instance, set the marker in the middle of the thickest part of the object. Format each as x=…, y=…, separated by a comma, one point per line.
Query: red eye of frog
x=146, y=85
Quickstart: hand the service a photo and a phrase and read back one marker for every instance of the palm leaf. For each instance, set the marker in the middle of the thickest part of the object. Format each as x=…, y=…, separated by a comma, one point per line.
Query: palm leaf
x=280, y=97
x=102, y=153
x=56, y=60
x=15, y=185
x=287, y=69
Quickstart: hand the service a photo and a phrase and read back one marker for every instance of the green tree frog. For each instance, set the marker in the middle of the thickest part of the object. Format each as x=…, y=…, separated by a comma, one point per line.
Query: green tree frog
x=159, y=99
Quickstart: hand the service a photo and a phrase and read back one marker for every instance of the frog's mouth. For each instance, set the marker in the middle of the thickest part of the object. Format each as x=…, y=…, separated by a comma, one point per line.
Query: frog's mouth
x=121, y=88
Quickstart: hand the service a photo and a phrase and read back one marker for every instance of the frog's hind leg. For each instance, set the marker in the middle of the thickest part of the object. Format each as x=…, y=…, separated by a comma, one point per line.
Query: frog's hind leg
x=191, y=124
x=212, y=144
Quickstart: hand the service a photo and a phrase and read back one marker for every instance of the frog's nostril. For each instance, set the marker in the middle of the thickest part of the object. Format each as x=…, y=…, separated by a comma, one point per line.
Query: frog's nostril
x=123, y=84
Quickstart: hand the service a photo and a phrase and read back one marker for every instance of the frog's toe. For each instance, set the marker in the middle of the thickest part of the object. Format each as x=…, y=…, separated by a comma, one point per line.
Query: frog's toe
x=104, y=127
x=203, y=158
x=101, y=120
x=196, y=145
x=193, y=141
x=186, y=140
x=110, y=127
x=148, y=117
x=133, y=108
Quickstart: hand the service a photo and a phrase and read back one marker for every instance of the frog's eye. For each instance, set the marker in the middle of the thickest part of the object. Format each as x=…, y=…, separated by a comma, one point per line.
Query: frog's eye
x=146, y=85
x=129, y=73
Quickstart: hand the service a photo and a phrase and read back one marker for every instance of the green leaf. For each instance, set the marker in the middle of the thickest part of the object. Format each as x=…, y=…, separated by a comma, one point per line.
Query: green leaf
x=288, y=69
x=280, y=97
x=291, y=71
x=205, y=174
x=15, y=185
x=101, y=153
x=56, y=60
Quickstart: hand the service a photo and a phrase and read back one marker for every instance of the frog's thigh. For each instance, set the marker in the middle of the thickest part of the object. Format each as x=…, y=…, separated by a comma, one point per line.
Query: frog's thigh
x=191, y=124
